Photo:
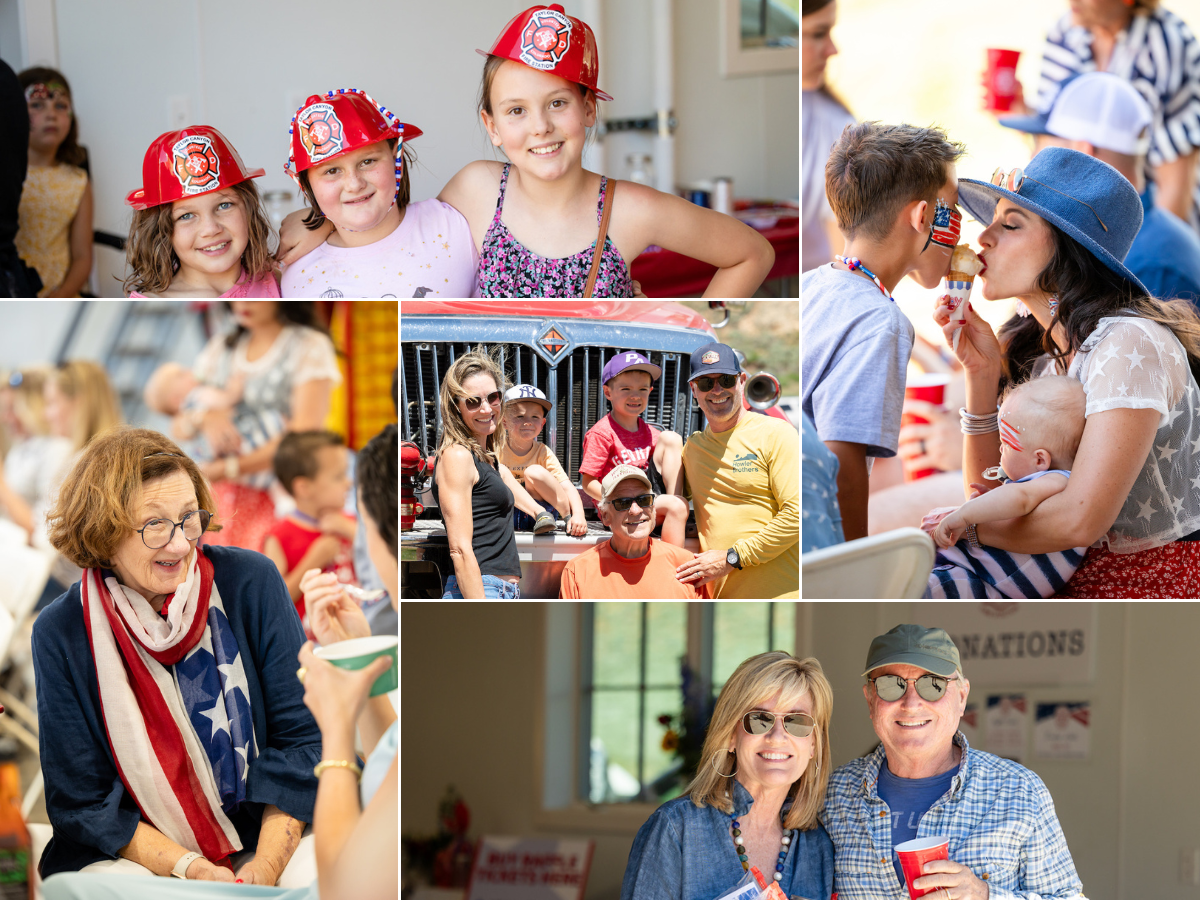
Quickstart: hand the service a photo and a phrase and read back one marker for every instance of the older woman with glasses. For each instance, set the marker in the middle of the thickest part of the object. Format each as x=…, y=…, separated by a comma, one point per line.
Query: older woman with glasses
x=1056, y=239
x=754, y=803
x=174, y=736
x=474, y=491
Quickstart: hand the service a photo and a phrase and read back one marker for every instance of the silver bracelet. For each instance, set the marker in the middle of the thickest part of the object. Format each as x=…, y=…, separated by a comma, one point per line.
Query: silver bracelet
x=969, y=423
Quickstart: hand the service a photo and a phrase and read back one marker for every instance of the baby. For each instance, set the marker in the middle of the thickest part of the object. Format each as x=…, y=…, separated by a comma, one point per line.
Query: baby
x=172, y=390
x=1041, y=423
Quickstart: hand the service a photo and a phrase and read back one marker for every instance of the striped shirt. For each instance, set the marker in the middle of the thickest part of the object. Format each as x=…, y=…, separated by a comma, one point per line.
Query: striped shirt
x=1160, y=57
x=998, y=815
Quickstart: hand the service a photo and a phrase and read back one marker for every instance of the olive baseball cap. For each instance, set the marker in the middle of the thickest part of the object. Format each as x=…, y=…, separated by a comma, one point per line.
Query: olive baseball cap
x=927, y=648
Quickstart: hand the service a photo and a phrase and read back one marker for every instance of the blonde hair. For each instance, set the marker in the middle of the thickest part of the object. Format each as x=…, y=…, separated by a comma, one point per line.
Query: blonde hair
x=454, y=427
x=151, y=255
x=96, y=407
x=94, y=511
x=29, y=400
x=754, y=682
x=1053, y=413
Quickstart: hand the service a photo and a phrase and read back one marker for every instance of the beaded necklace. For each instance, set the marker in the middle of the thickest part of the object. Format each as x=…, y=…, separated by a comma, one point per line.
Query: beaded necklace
x=853, y=262
x=745, y=857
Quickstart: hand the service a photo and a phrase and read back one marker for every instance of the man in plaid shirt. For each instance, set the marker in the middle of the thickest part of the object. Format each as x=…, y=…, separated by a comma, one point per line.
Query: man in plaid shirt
x=925, y=781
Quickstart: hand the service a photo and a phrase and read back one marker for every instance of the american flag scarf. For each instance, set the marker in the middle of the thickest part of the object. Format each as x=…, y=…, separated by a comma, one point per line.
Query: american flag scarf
x=182, y=739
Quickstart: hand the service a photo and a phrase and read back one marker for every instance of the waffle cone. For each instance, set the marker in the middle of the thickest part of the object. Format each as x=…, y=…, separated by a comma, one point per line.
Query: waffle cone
x=953, y=275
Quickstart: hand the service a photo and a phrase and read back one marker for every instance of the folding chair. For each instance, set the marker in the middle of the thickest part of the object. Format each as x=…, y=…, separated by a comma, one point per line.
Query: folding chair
x=892, y=565
x=27, y=571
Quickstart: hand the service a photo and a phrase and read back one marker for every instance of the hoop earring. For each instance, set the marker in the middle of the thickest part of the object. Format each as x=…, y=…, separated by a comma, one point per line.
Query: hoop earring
x=713, y=762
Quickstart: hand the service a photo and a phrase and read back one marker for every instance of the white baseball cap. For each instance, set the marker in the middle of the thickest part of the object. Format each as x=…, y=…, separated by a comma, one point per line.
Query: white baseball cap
x=1104, y=110
x=527, y=393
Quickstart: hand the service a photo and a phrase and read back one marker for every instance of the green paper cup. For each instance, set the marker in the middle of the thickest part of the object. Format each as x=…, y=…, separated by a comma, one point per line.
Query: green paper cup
x=358, y=653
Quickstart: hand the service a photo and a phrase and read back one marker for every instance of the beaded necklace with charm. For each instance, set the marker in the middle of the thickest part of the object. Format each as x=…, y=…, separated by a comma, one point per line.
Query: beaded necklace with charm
x=744, y=857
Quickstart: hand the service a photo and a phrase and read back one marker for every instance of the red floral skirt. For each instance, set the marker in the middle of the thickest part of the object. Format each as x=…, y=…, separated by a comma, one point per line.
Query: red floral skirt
x=1171, y=571
x=246, y=514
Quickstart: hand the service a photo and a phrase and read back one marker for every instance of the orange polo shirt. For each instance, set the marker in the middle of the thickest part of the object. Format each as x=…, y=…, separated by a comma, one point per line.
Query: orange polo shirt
x=600, y=574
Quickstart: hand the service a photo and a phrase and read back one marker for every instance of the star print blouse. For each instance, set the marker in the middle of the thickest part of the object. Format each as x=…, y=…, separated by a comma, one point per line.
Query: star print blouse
x=1134, y=363
x=430, y=254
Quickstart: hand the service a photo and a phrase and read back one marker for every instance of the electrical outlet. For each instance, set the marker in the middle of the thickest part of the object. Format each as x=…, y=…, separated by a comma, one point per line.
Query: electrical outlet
x=1189, y=866
x=179, y=112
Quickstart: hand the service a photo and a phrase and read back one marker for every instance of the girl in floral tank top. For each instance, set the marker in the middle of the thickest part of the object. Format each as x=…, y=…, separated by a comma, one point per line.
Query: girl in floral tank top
x=508, y=269
x=538, y=238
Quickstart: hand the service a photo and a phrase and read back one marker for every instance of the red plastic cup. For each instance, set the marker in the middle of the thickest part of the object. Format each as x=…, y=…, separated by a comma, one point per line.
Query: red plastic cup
x=1001, y=83
x=913, y=856
x=930, y=387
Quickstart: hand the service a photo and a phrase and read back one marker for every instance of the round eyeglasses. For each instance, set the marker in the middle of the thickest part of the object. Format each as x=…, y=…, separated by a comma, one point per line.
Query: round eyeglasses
x=157, y=533
x=893, y=687
x=795, y=724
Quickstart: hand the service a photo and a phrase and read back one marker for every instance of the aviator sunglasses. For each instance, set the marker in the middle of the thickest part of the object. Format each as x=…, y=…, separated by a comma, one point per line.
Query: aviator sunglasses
x=472, y=403
x=795, y=724
x=893, y=687
x=705, y=382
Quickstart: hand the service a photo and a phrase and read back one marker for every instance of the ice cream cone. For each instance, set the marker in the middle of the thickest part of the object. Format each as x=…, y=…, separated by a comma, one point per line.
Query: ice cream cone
x=952, y=275
x=956, y=286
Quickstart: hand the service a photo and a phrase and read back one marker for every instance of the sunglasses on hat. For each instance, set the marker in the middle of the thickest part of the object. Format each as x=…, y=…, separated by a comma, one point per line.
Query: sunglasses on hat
x=705, y=382
x=893, y=687
x=795, y=724
x=472, y=403
x=1014, y=179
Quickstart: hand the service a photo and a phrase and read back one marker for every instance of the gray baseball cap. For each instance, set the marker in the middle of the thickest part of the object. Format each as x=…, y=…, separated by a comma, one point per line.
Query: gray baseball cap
x=930, y=649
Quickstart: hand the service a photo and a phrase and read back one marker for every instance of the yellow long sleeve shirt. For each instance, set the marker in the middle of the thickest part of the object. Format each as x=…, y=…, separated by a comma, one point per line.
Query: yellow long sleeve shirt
x=745, y=487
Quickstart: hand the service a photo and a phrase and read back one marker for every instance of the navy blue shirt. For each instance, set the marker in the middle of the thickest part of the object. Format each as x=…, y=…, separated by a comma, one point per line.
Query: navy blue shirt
x=686, y=852
x=92, y=813
x=1165, y=255
x=909, y=799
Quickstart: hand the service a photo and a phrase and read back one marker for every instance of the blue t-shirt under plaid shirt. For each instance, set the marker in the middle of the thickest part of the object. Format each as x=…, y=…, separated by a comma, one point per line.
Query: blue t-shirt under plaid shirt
x=909, y=799
x=998, y=815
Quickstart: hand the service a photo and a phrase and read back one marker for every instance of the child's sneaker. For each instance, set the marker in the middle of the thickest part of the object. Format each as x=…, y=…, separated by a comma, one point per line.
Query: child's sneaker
x=543, y=523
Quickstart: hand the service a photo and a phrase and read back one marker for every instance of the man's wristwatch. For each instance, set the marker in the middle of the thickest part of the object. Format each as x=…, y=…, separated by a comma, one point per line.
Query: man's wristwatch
x=181, y=867
x=733, y=559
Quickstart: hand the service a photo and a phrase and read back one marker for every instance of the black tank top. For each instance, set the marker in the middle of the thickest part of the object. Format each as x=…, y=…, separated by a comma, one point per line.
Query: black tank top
x=493, y=540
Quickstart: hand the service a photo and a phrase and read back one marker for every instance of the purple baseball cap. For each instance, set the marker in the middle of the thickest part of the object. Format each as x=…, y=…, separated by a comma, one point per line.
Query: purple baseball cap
x=631, y=360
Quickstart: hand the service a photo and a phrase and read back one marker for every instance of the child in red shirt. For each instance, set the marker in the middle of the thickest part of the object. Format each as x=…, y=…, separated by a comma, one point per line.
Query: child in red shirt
x=623, y=437
x=319, y=534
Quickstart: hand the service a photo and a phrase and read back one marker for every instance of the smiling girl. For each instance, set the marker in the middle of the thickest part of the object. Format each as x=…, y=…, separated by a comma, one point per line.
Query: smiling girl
x=199, y=229
x=347, y=156
x=54, y=233
x=545, y=226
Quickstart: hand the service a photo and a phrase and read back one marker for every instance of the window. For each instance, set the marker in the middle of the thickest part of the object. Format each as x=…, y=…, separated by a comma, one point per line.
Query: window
x=632, y=670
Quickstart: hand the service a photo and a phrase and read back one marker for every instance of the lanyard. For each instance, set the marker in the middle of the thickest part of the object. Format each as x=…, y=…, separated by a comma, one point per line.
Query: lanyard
x=853, y=262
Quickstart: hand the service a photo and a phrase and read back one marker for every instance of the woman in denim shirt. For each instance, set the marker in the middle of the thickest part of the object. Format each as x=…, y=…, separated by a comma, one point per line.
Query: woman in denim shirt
x=755, y=800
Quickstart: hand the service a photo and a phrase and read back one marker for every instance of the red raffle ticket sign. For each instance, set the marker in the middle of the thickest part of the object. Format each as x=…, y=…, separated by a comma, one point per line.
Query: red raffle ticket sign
x=508, y=868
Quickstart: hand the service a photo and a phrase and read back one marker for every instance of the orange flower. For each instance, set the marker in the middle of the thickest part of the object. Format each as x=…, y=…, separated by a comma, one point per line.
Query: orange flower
x=670, y=740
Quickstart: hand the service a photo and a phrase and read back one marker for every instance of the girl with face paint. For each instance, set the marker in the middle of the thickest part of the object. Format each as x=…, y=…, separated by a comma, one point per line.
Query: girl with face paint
x=54, y=233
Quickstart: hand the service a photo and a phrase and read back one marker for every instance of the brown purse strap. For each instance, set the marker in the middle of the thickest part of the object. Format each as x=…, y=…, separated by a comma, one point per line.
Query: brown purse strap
x=607, y=211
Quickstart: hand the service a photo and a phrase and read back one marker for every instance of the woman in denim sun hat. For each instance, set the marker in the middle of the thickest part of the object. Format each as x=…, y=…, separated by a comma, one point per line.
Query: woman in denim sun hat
x=756, y=797
x=1056, y=238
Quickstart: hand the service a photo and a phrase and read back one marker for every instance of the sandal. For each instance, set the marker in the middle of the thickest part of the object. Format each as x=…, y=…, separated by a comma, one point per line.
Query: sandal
x=543, y=523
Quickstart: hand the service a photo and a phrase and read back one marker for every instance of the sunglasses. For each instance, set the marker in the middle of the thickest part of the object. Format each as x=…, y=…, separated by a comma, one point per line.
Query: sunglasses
x=705, y=382
x=1015, y=178
x=645, y=501
x=945, y=227
x=795, y=724
x=893, y=687
x=472, y=403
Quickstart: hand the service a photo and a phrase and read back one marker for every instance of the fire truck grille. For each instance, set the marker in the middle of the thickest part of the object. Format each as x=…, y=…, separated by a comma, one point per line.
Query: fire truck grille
x=574, y=386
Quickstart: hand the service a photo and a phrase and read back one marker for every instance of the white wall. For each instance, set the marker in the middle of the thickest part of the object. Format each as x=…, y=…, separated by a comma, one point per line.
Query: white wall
x=1127, y=812
x=244, y=67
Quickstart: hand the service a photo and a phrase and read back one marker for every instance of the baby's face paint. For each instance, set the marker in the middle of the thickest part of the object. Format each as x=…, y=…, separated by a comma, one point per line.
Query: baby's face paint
x=1010, y=435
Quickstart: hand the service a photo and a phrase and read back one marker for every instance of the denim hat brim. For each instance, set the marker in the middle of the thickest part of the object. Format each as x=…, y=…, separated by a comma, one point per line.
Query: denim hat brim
x=1028, y=124
x=979, y=198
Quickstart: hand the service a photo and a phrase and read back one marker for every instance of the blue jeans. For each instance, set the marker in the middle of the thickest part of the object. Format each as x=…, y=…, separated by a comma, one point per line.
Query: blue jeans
x=522, y=521
x=493, y=589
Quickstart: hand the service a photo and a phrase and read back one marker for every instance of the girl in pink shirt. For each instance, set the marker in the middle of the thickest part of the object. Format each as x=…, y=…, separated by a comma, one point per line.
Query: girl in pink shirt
x=199, y=229
x=347, y=156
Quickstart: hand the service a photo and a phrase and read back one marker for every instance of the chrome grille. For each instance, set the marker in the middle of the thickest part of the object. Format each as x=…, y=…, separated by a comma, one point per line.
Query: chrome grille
x=573, y=385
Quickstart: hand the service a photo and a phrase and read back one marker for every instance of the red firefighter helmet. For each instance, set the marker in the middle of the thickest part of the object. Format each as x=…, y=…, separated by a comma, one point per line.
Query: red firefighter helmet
x=547, y=39
x=328, y=126
x=187, y=162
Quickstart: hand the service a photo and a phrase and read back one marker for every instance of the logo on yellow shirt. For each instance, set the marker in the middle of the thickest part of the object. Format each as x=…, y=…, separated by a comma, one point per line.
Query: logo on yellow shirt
x=748, y=462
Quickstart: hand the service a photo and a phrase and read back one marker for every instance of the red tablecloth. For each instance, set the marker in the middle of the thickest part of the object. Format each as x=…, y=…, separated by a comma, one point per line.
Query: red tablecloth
x=664, y=273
